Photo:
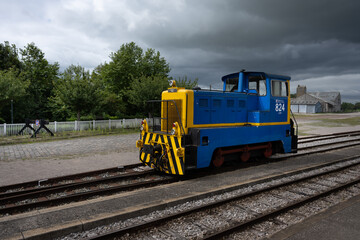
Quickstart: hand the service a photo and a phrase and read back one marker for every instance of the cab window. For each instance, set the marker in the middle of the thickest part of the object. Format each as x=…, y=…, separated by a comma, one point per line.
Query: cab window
x=232, y=84
x=259, y=85
x=279, y=88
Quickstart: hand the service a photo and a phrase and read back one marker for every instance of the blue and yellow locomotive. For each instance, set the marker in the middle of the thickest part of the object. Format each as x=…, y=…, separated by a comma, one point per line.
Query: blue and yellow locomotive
x=198, y=128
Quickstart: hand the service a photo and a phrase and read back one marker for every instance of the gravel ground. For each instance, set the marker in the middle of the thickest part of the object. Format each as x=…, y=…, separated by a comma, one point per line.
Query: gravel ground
x=196, y=225
x=310, y=124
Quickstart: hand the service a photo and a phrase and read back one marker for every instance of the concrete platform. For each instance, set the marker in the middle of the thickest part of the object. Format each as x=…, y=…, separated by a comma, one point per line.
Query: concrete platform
x=340, y=222
x=91, y=213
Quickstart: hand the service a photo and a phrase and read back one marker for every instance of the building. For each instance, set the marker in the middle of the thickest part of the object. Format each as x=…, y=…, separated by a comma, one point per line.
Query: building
x=315, y=102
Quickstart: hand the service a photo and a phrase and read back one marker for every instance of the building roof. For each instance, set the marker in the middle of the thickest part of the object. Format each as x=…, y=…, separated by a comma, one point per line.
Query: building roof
x=328, y=97
x=314, y=97
x=305, y=99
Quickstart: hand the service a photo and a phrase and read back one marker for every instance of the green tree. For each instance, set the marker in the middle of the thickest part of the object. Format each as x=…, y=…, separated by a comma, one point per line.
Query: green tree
x=111, y=104
x=128, y=63
x=41, y=75
x=347, y=107
x=146, y=88
x=9, y=56
x=152, y=64
x=12, y=87
x=123, y=65
x=186, y=83
x=131, y=62
x=357, y=106
x=76, y=91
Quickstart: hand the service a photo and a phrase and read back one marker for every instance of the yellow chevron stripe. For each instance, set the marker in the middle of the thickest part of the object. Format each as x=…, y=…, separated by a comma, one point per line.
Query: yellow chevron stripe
x=147, y=139
x=142, y=156
x=176, y=157
x=172, y=168
x=163, y=142
x=147, y=158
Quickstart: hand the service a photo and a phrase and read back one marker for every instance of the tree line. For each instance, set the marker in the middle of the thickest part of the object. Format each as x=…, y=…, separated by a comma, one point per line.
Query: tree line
x=350, y=107
x=120, y=88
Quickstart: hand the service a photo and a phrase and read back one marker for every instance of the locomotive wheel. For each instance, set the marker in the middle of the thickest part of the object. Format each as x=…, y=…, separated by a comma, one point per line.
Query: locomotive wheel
x=245, y=156
x=268, y=151
x=218, y=159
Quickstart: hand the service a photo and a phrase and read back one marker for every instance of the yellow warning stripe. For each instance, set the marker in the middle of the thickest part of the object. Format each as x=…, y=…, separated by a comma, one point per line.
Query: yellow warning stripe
x=174, y=161
x=169, y=155
x=179, y=167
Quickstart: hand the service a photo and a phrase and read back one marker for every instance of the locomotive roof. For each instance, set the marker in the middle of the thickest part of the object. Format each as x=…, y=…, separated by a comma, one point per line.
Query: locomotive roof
x=267, y=75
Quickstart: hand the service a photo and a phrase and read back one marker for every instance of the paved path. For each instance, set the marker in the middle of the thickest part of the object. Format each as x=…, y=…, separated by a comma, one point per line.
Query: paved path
x=78, y=146
x=34, y=161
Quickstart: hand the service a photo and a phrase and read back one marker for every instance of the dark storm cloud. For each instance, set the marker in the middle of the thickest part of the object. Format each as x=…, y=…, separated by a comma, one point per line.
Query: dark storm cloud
x=317, y=42
x=304, y=39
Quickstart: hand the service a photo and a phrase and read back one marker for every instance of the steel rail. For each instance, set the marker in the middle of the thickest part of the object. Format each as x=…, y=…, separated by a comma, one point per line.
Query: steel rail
x=329, y=137
x=71, y=186
x=30, y=194
x=328, y=144
x=266, y=215
x=80, y=196
x=34, y=185
x=159, y=221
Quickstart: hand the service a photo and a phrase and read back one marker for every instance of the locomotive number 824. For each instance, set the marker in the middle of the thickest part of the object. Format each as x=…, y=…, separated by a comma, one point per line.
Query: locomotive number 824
x=198, y=128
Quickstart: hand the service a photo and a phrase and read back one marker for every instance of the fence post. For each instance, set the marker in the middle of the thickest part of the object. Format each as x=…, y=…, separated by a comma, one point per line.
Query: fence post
x=123, y=123
x=109, y=124
x=4, y=129
x=55, y=128
x=94, y=124
x=75, y=126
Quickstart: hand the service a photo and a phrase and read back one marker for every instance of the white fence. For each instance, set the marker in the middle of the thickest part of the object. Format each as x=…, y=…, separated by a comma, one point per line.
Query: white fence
x=13, y=129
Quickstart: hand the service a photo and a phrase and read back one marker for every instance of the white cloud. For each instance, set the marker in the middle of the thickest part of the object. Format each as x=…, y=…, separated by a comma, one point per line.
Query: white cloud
x=204, y=39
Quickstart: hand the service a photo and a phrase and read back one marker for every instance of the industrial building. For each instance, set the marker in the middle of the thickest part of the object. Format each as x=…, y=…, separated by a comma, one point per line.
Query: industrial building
x=315, y=102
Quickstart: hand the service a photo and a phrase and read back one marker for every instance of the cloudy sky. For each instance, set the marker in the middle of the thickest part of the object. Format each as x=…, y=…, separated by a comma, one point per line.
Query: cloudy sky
x=317, y=42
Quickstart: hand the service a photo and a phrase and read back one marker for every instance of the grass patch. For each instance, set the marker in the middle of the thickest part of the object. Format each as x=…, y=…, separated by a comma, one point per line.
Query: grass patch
x=302, y=133
x=45, y=137
x=354, y=121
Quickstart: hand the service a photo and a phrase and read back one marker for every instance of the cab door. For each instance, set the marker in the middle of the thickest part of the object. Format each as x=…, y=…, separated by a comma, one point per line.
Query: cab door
x=279, y=100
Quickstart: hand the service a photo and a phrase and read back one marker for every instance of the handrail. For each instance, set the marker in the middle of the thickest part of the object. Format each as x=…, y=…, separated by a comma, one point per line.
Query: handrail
x=293, y=116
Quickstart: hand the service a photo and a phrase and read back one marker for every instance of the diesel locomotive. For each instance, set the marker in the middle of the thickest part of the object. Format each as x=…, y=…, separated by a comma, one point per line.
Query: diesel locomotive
x=195, y=128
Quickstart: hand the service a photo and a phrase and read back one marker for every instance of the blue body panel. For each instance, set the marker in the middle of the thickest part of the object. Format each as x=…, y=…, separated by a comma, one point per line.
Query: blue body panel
x=262, y=111
x=243, y=105
x=219, y=107
x=243, y=135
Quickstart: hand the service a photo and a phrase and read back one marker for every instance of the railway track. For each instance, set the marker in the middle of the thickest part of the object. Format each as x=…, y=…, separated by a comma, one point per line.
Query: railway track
x=20, y=188
x=229, y=215
x=326, y=142
x=52, y=192
x=44, y=193
x=309, y=139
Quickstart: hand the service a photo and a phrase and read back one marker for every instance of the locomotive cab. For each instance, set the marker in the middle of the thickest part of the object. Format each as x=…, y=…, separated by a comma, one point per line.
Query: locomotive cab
x=198, y=128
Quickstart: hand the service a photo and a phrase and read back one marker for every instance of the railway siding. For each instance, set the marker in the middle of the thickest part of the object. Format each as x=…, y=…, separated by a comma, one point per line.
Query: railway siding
x=123, y=206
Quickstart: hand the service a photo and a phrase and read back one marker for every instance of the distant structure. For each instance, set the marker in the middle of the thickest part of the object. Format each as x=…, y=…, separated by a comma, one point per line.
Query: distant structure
x=315, y=102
